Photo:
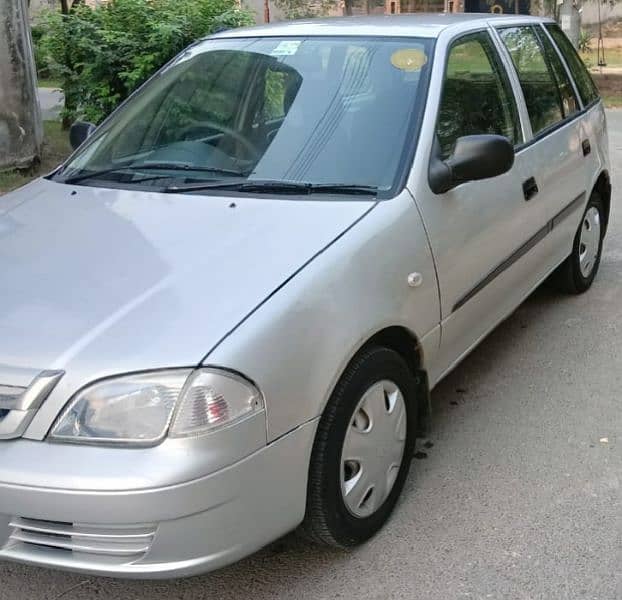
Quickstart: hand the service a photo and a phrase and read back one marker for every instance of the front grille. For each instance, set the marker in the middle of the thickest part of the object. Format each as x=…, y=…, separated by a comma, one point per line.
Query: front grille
x=128, y=543
x=18, y=405
x=10, y=394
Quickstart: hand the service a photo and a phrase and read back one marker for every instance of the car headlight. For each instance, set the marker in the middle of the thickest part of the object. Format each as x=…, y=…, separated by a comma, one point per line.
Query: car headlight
x=140, y=409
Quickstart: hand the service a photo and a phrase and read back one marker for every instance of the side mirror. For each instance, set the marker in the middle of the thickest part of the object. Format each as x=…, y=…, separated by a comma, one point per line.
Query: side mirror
x=474, y=157
x=79, y=133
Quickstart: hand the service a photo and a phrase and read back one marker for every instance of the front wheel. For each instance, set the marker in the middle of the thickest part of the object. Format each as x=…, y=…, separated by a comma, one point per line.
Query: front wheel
x=362, y=450
x=576, y=274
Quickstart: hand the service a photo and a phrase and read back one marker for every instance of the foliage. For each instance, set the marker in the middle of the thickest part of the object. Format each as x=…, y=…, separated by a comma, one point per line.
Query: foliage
x=41, y=60
x=102, y=55
x=585, y=41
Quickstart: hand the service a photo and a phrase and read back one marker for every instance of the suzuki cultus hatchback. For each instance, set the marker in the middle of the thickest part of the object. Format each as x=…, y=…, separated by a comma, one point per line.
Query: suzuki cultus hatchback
x=221, y=318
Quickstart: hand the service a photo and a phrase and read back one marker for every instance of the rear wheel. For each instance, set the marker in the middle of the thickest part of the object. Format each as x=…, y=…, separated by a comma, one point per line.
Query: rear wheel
x=362, y=450
x=576, y=274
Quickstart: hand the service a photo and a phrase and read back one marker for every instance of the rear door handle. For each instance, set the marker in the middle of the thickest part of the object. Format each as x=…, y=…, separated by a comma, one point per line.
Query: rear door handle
x=587, y=148
x=530, y=188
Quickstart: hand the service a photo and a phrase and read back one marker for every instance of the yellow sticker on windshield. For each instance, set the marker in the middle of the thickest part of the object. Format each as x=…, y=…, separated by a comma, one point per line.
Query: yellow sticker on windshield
x=408, y=59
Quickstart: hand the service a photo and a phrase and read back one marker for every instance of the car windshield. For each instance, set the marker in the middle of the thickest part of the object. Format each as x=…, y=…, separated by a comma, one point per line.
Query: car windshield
x=317, y=111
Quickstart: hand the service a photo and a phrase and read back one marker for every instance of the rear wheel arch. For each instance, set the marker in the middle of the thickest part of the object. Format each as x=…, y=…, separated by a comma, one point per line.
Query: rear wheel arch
x=603, y=187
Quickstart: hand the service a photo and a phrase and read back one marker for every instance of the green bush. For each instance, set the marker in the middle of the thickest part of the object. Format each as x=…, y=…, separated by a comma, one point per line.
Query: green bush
x=41, y=60
x=102, y=55
x=585, y=41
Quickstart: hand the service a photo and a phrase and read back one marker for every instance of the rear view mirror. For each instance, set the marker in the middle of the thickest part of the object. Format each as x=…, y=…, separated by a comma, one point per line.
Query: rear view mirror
x=79, y=133
x=474, y=157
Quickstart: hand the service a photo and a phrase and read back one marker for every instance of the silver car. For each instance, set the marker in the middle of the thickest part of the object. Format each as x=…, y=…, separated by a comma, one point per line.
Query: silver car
x=222, y=317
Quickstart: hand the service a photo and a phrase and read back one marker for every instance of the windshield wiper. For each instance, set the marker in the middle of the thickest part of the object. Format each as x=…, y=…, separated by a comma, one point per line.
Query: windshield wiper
x=151, y=166
x=82, y=176
x=178, y=167
x=277, y=187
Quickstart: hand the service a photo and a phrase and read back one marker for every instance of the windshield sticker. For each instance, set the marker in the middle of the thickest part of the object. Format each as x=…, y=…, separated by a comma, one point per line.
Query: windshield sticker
x=286, y=48
x=408, y=59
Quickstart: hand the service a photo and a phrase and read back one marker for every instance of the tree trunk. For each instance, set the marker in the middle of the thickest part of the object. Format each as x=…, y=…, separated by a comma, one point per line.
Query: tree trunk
x=570, y=21
x=21, y=130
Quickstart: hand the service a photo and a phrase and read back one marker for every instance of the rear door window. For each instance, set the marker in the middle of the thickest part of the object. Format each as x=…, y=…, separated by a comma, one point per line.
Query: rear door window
x=477, y=97
x=585, y=83
x=570, y=102
x=536, y=76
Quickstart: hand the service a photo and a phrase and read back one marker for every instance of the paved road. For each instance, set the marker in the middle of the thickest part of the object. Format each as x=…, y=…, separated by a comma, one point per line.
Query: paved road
x=518, y=498
x=51, y=102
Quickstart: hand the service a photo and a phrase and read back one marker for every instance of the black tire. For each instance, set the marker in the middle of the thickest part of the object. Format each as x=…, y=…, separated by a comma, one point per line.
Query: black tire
x=327, y=520
x=568, y=277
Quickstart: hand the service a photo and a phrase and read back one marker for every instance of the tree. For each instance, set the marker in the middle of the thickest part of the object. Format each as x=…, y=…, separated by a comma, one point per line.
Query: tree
x=570, y=21
x=21, y=129
x=67, y=5
x=103, y=54
x=568, y=14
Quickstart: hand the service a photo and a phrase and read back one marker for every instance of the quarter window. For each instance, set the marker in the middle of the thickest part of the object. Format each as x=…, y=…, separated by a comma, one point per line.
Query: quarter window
x=585, y=83
x=537, y=80
x=476, y=97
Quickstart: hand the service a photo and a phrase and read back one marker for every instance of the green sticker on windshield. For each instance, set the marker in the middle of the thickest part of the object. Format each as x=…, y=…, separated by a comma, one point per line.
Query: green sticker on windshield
x=408, y=59
x=286, y=48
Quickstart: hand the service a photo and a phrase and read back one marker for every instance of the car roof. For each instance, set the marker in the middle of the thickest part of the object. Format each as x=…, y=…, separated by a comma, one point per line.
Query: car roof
x=403, y=25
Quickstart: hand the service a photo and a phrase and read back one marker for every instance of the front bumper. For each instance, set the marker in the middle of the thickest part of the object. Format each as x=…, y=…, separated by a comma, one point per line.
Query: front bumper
x=165, y=531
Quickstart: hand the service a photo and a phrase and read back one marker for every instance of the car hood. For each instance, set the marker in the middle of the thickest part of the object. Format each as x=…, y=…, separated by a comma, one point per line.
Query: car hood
x=101, y=281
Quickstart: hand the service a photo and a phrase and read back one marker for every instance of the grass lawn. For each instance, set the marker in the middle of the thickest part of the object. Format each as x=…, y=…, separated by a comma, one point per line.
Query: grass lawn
x=55, y=149
x=50, y=83
x=612, y=100
x=613, y=57
x=608, y=80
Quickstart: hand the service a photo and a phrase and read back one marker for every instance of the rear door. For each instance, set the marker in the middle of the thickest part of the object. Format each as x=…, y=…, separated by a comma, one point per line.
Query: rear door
x=592, y=125
x=553, y=158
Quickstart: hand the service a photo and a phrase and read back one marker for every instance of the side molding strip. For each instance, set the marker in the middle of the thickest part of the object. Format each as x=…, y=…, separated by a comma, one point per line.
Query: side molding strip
x=520, y=252
x=567, y=211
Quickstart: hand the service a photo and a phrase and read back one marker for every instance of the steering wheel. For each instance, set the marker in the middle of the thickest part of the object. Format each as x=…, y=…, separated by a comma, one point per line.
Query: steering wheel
x=236, y=135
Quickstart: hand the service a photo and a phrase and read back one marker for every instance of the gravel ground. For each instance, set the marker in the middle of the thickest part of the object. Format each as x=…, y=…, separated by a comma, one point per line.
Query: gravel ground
x=51, y=102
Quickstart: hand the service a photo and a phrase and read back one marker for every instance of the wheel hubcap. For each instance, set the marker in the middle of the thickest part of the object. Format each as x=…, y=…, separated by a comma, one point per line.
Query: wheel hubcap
x=589, y=243
x=373, y=448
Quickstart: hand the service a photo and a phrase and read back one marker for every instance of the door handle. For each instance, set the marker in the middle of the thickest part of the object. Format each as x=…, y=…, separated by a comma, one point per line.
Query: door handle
x=587, y=148
x=530, y=188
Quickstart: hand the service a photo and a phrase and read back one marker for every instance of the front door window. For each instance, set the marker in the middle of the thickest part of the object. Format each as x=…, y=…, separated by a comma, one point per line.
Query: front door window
x=477, y=96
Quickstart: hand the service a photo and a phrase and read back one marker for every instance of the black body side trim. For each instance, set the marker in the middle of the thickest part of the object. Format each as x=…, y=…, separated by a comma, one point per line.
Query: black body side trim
x=567, y=210
x=520, y=252
x=506, y=264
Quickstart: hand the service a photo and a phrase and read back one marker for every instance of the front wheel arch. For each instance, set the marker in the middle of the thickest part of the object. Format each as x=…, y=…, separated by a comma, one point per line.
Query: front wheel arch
x=406, y=343
x=326, y=520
